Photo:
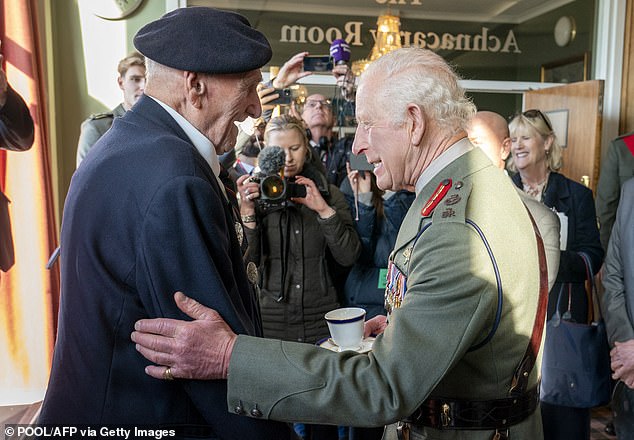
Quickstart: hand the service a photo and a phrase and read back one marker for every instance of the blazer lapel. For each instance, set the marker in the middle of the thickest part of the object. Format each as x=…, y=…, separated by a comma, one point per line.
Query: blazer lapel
x=557, y=194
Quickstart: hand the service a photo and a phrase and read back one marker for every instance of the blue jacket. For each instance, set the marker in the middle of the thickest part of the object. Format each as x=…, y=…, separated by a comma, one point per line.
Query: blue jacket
x=575, y=201
x=377, y=240
x=144, y=217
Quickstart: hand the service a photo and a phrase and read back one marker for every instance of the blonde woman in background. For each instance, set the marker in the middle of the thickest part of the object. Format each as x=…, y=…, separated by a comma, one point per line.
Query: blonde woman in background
x=537, y=156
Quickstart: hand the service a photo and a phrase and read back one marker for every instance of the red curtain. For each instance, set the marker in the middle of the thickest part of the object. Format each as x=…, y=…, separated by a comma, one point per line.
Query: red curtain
x=29, y=293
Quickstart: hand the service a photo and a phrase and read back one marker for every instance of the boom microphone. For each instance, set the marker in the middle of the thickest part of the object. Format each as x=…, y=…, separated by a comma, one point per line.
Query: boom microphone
x=340, y=51
x=271, y=160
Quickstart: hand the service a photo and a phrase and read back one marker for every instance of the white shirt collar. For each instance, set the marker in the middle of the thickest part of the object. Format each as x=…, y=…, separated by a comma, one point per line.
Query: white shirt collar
x=200, y=141
x=247, y=167
x=437, y=165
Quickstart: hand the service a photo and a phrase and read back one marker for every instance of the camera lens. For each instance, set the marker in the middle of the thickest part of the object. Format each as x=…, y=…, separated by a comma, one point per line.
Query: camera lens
x=272, y=187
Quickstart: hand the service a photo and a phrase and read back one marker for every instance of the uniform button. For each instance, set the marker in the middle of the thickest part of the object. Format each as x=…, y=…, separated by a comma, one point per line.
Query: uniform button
x=297, y=231
x=458, y=185
x=297, y=286
x=255, y=412
x=238, y=410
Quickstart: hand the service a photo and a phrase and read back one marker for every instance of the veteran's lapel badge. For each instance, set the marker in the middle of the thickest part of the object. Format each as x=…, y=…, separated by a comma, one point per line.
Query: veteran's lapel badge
x=239, y=232
x=407, y=254
x=252, y=272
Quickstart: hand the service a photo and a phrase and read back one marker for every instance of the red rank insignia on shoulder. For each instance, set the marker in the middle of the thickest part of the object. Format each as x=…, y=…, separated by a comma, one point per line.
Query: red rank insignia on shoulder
x=629, y=142
x=436, y=197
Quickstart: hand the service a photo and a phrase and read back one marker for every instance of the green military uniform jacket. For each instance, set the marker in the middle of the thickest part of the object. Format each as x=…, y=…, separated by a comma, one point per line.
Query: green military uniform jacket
x=449, y=306
x=617, y=167
x=93, y=128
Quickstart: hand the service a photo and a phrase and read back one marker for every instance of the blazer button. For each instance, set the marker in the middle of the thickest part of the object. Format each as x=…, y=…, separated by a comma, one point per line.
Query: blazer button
x=255, y=412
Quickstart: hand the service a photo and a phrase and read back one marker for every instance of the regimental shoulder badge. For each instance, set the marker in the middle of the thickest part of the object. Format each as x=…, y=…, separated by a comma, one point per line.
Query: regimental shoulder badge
x=102, y=115
x=436, y=198
x=454, y=205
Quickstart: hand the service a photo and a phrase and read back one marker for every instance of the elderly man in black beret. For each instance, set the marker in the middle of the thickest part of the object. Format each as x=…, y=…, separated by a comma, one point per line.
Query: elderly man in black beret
x=145, y=215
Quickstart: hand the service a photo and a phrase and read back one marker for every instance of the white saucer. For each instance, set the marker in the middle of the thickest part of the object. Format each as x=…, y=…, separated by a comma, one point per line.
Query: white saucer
x=329, y=344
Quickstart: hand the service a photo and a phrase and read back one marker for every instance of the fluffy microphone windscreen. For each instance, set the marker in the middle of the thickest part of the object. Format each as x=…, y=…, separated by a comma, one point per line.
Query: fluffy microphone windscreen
x=271, y=160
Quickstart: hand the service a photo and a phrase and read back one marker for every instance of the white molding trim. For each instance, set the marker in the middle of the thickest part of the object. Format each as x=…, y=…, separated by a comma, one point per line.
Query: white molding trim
x=170, y=5
x=608, y=63
x=499, y=16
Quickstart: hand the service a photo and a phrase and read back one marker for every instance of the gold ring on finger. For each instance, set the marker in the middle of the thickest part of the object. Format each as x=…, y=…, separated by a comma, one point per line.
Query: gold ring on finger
x=167, y=374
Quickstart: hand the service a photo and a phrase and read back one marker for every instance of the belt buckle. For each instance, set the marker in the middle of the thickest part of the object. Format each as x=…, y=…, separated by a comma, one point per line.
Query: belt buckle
x=504, y=434
x=402, y=431
x=445, y=418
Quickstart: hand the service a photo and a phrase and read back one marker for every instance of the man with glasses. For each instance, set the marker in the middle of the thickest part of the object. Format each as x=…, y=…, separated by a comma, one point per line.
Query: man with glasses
x=317, y=114
x=457, y=358
x=334, y=153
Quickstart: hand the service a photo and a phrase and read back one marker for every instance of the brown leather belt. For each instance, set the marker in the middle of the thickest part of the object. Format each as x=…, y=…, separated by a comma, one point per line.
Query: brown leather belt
x=439, y=413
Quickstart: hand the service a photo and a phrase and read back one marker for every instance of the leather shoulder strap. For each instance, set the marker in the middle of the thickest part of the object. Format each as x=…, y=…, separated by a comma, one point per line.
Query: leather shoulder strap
x=520, y=378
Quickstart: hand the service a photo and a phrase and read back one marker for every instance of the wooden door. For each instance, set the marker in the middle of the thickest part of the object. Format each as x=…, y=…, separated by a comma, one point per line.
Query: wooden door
x=575, y=110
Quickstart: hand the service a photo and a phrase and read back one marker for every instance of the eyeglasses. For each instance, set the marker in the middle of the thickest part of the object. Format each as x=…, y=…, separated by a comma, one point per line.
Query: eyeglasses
x=534, y=114
x=313, y=103
x=367, y=127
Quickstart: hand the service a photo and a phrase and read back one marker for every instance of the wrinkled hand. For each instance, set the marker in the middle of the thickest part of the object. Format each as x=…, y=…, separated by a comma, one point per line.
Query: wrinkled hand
x=622, y=362
x=313, y=199
x=198, y=349
x=291, y=71
x=375, y=326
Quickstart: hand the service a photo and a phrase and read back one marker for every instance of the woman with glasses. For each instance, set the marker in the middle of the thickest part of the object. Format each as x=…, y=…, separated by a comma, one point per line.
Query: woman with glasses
x=537, y=156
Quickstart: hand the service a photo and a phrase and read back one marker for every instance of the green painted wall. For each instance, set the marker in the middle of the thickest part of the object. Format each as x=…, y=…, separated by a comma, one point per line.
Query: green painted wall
x=72, y=101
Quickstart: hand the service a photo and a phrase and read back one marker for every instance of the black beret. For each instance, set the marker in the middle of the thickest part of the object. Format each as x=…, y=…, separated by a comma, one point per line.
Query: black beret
x=206, y=40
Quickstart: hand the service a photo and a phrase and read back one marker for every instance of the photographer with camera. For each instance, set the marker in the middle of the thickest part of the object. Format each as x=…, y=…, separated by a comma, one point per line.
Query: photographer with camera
x=294, y=240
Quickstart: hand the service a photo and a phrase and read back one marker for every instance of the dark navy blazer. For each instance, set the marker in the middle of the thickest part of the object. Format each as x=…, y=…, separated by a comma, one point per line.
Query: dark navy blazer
x=144, y=217
x=576, y=202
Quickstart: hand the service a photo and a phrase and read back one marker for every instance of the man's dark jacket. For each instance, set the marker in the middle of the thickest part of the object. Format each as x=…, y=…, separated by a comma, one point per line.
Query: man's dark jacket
x=144, y=217
x=16, y=134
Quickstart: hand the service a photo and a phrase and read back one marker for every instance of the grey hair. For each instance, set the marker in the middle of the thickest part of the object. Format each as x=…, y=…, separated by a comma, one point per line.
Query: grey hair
x=154, y=69
x=420, y=76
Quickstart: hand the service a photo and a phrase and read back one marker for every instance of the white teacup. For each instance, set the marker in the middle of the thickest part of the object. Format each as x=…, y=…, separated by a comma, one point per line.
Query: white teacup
x=346, y=327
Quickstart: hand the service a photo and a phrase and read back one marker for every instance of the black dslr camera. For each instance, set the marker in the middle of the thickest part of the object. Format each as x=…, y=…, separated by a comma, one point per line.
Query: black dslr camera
x=275, y=191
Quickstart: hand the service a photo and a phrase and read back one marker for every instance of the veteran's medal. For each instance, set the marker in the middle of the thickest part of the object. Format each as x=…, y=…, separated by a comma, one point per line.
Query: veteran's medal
x=252, y=272
x=396, y=287
x=239, y=232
